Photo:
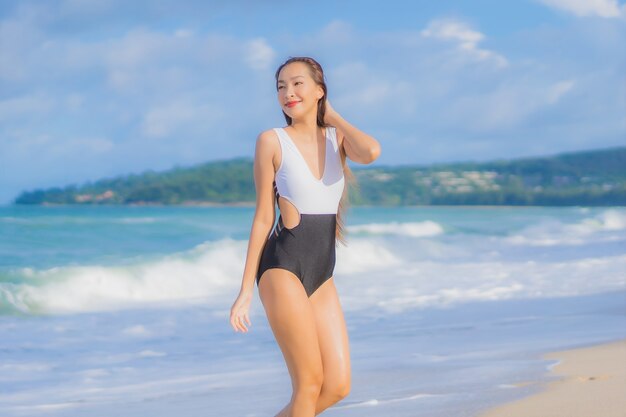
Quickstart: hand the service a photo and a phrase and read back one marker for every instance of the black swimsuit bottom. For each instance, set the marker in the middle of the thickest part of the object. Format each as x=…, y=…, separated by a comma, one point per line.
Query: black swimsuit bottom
x=307, y=250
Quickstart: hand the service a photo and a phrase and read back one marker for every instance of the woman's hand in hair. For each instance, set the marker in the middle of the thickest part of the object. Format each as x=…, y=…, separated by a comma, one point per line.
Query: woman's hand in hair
x=358, y=145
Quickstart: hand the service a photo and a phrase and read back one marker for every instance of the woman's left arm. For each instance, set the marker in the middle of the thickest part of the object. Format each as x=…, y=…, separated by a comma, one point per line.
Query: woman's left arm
x=359, y=146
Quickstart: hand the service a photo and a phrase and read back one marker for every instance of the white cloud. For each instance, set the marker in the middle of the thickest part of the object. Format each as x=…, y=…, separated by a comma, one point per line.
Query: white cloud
x=47, y=147
x=558, y=90
x=137, y=330
x=161, y=121
x=178, y=116
x=466, y=39
x=601, y=8
x=27, y=105
x=140, y=47
x=122, y=80
x=453, y=29
x=87, y=7
x=74, y=101
x=183, y=33
x=20, y=36
x=365, y=90
x=91, y=145
x=508, y=106
x=259, y=54
x=336, y=32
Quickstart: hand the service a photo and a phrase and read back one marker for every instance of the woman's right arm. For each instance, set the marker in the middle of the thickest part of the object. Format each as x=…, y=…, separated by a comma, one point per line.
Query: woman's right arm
x=264, y=218
x=265, y=214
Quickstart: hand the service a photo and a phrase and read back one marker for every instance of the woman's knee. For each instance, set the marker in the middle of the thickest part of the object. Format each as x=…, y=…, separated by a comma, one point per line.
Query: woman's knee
x=343, y=390
x=311, y=384
x=337, y=390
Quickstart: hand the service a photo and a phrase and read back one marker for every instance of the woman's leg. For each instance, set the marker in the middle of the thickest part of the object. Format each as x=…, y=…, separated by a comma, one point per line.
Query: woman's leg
x=293, y=323
x=333, y=341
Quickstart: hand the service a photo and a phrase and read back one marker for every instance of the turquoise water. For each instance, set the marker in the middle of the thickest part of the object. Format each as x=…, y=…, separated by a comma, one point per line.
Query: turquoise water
x=125, y=309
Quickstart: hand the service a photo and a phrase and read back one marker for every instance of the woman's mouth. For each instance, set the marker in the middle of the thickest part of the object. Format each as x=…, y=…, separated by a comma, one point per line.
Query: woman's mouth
x=292, y=103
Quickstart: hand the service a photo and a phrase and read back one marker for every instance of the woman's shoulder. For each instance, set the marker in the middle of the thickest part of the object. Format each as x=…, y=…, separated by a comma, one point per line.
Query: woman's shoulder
x=267, y=139
x=268, y=133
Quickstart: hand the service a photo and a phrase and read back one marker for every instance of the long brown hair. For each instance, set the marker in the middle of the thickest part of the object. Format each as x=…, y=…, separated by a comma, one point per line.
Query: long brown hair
x=316, y=72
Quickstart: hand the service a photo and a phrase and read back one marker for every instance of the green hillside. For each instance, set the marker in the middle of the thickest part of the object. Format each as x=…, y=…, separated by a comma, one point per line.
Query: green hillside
x=596, y=177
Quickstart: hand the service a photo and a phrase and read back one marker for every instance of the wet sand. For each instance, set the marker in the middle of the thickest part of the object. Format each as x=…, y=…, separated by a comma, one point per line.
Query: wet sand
x=592, y=382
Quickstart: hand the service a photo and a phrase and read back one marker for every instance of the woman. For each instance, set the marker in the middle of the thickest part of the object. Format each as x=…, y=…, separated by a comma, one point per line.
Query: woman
x=301, y=167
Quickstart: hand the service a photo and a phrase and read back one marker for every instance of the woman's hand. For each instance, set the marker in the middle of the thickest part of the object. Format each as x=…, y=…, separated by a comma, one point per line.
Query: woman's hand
x=239, y=312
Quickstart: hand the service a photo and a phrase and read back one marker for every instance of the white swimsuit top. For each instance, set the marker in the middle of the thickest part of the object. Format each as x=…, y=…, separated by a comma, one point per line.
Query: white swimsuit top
x=296, y=183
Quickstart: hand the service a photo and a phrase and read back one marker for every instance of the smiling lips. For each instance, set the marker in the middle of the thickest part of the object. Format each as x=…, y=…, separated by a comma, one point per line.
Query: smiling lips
x=292, y=103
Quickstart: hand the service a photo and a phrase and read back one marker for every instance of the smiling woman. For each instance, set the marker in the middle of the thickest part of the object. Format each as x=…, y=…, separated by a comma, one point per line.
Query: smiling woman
x=302, y=168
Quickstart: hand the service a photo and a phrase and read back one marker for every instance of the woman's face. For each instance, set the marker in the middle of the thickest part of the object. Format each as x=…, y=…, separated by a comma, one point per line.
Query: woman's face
x=298, y=94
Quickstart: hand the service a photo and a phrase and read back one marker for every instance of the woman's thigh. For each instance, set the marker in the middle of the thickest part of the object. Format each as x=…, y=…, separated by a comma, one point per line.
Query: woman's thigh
x=291, y=318
x=332, y=335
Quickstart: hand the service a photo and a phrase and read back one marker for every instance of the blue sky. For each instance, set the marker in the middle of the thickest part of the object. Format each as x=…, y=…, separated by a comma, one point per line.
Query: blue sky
x=95, y=89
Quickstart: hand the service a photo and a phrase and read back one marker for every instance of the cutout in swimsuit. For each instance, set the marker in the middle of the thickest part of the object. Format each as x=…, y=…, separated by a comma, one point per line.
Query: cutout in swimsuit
x=308, y=248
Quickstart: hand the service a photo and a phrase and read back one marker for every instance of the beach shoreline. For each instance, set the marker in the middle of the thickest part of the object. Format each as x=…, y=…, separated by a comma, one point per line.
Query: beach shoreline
x=591, y=381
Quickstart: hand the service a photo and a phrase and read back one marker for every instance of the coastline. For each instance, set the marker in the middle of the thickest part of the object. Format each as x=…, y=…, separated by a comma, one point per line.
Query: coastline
x=591, y=381
x=192, y=203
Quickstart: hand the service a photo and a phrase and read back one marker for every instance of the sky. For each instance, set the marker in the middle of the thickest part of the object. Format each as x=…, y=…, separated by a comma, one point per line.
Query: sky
x=93, y=89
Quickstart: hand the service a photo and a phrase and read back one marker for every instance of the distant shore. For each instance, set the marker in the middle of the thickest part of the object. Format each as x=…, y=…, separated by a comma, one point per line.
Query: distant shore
x=587, y=178
x=252, y=204
x=592, y=383
x=142, y=204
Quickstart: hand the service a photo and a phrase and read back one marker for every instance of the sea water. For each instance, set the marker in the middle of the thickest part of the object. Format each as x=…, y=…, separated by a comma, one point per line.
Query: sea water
x=122, y=310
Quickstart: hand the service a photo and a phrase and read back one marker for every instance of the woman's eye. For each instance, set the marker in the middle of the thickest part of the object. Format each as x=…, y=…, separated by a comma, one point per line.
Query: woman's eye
x=297, y=82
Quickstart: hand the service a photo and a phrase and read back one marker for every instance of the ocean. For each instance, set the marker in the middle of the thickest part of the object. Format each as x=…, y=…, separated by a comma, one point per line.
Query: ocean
x=124, y=310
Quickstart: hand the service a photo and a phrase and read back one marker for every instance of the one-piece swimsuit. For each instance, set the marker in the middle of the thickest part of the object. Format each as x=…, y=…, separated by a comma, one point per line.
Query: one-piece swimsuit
x=307, y=249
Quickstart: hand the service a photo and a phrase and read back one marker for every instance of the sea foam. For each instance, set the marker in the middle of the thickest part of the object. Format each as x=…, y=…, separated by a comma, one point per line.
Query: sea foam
x=383, y=267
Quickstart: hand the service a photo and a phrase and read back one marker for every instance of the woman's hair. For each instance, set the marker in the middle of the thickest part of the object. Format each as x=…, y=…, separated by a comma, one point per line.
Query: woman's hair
x=316, y=72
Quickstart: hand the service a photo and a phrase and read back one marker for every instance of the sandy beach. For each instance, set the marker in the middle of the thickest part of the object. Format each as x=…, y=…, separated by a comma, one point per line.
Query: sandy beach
x=592, y=382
